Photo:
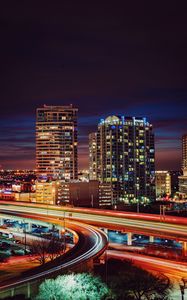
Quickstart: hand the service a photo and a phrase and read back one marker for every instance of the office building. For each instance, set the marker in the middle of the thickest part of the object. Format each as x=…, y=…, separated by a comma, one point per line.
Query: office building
x=183, y=184
x=163, y=183
x=46, y=192
x=183, y=178
x=175, y=181
x=85, y=194
x=124, y=158
x=56, y=142
x=184, y=151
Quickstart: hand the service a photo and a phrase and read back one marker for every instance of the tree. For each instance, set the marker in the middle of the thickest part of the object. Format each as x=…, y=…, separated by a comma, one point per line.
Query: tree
x=55, y=248
x=40, y=250
x=73, y=286
x=131, y=282
x=45, y=250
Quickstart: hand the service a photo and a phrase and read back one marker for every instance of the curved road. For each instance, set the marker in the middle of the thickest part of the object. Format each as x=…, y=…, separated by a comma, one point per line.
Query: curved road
x=91, y=243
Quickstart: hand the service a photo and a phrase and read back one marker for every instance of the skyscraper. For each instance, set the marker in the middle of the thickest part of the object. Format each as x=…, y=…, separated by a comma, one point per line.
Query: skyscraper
x=56, y=142
x=184, y=151
x=125, y=158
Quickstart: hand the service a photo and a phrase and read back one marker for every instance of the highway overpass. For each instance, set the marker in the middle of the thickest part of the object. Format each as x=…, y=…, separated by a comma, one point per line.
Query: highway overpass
x=174, y=228
x=91, y=243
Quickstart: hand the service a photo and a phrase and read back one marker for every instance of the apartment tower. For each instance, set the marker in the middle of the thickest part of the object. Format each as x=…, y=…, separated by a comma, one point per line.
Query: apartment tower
x=124, y=158
x=184, y=151
x=56, y=142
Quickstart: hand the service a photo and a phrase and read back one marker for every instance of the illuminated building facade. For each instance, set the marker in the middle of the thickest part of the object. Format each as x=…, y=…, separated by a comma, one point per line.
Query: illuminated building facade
x=93, y=155
x=125, y=158
x=163, y=183
x=46, y=192
x=183, y=178
x=56, y=142
x=183, y=184
x=184, y=151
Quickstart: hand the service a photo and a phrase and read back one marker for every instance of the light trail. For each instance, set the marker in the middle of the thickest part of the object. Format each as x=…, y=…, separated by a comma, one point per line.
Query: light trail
x=135, y=223
x=158, y=229
x=96, y=242
x=112, y=213
x=175, y=271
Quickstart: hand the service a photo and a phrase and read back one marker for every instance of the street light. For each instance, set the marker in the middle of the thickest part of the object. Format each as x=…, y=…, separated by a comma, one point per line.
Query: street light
x=64, y=237
x=138, y=206
x=24, y=231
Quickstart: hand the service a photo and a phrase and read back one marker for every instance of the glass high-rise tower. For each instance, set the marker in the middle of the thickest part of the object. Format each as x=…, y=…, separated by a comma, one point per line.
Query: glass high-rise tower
x=125, y=157
x=56, y=142
x=184, y=151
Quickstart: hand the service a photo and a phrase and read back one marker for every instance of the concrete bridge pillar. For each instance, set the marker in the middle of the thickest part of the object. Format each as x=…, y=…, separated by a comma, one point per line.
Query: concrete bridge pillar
x=29, y=227
x=12, y=292
x=129, y=238
x=184, y=248
x=151, y=239
x=28, y=290
x=59, y=232
x=105, y=231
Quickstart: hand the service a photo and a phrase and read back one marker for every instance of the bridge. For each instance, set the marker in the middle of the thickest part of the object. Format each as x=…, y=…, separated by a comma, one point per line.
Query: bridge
x=168, y=227
x=90, y=243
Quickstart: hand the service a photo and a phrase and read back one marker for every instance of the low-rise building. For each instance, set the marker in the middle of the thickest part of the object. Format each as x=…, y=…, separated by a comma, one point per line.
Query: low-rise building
x=85, y=194
x=46, y=192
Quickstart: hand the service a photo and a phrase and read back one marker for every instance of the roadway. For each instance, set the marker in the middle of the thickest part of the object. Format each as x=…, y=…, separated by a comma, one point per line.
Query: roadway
x=175, y=228
x=171, y=228
x=91, y=243
x=175, y=271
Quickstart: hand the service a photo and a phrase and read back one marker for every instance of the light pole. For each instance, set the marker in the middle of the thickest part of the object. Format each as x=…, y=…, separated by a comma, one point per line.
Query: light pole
x=64, y=231
x=162, y=212
x=138, y=206
x=24, y=231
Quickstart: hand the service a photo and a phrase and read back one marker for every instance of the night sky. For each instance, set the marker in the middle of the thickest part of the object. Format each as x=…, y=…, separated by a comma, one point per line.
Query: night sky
x=107, y=58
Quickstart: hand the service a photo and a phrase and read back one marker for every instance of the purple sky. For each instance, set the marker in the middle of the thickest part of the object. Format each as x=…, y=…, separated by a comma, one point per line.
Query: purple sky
x=105, y=59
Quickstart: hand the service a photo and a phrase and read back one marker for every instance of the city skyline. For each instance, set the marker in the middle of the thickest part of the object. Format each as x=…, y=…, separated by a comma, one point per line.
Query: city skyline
x=104, y=60
x=25, y=143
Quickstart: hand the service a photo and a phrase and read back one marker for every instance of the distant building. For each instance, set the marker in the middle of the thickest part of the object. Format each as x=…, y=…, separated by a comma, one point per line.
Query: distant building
x=183, y=184
x=85, y=194
x=121, y=153
x=175, y=181
x=23, y=187
x=25, y=197
x=163, y=183
x=56, y=142
x=183, y=178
